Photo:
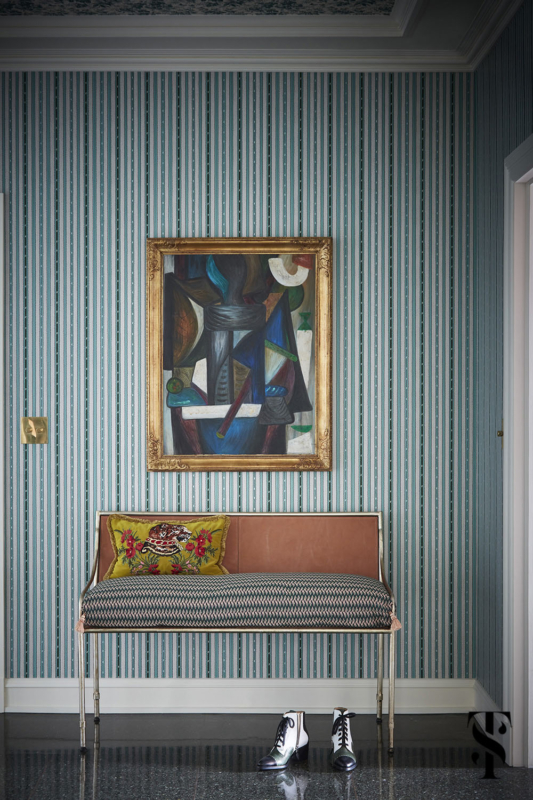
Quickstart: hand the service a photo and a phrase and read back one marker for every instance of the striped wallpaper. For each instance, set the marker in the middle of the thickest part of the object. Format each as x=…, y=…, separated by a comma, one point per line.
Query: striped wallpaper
x=92, y=164
x=504, y=118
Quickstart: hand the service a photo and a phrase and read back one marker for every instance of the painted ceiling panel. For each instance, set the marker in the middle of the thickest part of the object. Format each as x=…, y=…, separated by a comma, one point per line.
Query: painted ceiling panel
x=153, y=7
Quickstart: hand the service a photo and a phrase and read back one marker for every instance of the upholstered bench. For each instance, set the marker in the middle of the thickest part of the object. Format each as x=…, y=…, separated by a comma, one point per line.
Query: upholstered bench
x=304, y=573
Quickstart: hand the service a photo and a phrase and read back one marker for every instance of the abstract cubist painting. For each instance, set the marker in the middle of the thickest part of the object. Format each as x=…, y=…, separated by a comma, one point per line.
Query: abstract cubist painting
x=239, y=353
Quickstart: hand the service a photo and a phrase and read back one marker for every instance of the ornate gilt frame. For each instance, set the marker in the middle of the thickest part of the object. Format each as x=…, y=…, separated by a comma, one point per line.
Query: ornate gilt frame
x=156, y=250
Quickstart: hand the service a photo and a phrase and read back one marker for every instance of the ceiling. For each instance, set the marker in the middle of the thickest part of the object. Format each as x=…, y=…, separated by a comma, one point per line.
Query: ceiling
x=170, y=7
x=259, y=35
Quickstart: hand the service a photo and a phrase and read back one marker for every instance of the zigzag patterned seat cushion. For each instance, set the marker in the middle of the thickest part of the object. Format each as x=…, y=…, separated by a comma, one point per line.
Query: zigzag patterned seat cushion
x=256, y=600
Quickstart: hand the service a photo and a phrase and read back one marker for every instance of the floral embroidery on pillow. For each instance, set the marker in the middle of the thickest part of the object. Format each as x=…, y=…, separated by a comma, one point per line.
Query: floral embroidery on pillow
x=185, y=550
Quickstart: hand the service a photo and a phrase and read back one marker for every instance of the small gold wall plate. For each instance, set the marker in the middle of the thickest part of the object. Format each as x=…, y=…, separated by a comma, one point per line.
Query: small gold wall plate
x=34, y=430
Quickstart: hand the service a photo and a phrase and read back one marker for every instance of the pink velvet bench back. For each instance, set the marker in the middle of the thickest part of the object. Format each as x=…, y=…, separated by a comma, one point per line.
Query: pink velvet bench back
x=284, y=542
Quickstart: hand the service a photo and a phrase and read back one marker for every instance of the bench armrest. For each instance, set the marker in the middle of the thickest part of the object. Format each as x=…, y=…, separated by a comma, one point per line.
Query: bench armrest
x=386, y=585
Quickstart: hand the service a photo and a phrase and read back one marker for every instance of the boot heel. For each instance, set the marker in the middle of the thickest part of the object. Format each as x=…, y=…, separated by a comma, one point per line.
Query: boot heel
x=302, y=753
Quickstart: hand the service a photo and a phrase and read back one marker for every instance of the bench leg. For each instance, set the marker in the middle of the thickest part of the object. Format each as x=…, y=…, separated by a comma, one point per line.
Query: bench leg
x=379, y=695
x=96, y=679
x=82, y=778
x=81, y=668
x=392, y=676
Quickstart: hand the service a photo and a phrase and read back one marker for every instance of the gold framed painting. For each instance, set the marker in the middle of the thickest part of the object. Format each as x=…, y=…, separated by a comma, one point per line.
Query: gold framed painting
x=239, y=335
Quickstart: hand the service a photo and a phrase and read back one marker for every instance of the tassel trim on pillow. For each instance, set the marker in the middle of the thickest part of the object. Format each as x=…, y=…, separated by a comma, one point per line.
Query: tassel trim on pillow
x=80, y=627
x=395, y=624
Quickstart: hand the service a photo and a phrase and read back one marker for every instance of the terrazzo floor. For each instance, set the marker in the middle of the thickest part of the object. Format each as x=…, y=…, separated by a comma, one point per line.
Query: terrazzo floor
x=204, y=757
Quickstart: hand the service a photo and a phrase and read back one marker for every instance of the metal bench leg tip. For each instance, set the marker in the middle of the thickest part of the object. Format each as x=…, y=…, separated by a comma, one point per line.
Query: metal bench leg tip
x=97, y=720
x=379, y=720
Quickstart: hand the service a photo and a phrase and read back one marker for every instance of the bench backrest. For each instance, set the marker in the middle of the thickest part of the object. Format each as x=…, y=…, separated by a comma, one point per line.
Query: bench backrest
x=349, y=543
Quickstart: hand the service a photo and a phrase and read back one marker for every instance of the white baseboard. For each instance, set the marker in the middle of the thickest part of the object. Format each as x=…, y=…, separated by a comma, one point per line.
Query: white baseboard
x=484, y=701
x=240, y=695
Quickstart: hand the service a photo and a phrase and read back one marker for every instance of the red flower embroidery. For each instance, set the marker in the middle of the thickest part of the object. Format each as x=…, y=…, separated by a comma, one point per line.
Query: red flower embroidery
x=130, y=547
x=176, y=568
x=125, y=535
x=153, y=569
x=200, y=551
x=139, y=546
x=189, y=546
x=205, y=534
x=200, y=540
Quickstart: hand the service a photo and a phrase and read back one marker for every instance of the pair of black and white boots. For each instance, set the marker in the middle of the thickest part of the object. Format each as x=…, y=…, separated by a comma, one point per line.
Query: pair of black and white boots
x=292, y=741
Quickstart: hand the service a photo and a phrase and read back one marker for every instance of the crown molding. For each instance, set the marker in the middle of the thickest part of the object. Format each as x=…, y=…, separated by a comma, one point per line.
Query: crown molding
x=486, y=28
x=405, y=13
x=256, y=60
x=207, y=26
x=266, y=43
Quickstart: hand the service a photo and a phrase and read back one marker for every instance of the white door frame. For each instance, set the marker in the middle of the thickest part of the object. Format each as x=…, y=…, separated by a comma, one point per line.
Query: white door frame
x=3, y=472
x=518, y=455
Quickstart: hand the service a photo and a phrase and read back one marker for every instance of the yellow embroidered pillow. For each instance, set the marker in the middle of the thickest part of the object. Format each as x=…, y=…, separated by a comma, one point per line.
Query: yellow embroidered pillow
x=155, y=547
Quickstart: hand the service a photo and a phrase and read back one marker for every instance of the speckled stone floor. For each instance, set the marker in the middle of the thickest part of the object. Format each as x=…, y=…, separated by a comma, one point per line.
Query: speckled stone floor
x=205, y=757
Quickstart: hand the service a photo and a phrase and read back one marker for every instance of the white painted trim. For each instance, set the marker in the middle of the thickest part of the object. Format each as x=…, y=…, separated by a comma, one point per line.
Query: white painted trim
x=406, y=12
x=138, y=57
x=396, y=24
x=244, y=696
x=486, y=28
x=483, y=700
x=210, y=26
x=518, y=452
x=519, y=163
x=3, y=509
x=218, y=42
x=529, y=544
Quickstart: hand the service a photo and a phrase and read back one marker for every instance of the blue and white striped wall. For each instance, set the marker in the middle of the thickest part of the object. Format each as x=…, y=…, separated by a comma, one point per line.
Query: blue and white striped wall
x=92, y=164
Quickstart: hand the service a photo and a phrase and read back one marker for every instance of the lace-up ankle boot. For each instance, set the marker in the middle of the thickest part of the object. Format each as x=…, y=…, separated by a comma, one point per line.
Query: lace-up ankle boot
x=292, y=742
x=342, y=756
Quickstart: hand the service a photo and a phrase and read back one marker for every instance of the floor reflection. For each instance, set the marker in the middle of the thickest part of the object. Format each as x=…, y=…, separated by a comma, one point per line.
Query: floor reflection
x=207, y=757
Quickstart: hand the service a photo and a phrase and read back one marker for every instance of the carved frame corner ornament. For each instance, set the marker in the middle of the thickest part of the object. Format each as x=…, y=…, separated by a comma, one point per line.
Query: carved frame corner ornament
x=321, y=460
